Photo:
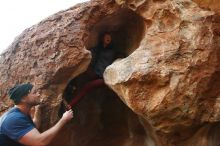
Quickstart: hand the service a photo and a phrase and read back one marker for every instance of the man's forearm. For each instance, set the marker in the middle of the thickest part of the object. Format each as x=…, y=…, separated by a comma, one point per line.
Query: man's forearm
x=34, y=137
x=37, y=118
x=48, y=135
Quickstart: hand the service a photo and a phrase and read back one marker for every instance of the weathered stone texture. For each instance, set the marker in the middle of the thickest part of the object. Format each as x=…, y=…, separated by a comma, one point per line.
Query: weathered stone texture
x=170, y=77
x=213, y=5
x=52, y=52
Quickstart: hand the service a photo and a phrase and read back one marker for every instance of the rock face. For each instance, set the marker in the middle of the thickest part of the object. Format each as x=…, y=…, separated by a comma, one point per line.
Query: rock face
x=209, y=4
x=171, y=80
x=168, y=83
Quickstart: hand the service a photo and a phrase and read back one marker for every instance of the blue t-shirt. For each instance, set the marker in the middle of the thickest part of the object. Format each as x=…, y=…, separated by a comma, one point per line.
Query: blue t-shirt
x=14, y=125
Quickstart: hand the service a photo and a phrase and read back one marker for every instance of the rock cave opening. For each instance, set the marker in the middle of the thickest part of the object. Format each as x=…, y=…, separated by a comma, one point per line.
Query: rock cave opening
x=101, y=118
x=126, y=27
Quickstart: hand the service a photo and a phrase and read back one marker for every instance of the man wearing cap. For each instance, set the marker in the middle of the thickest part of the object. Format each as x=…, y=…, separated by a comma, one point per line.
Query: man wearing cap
x=16, y=126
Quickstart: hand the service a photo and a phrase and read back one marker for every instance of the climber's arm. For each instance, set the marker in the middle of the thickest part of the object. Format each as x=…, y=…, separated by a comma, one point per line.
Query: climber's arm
x=34, y=137
x=37, y=116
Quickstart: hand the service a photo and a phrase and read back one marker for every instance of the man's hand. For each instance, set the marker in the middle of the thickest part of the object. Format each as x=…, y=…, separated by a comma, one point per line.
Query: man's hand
x=37, y=116
x=37, y=113
x=67, y=116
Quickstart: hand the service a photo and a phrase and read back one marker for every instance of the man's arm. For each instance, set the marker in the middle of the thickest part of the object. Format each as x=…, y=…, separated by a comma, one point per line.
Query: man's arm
x=37, y=116
x=34, y=138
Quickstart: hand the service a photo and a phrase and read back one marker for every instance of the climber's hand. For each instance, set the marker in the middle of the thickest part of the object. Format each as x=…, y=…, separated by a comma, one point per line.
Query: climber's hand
x=67, y=116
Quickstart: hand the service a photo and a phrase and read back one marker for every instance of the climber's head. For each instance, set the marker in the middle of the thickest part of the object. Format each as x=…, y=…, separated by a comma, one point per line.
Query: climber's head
x=107, y=39
x=24, y=94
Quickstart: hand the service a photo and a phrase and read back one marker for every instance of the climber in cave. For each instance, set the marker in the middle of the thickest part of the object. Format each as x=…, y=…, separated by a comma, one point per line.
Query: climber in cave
x=102, y=56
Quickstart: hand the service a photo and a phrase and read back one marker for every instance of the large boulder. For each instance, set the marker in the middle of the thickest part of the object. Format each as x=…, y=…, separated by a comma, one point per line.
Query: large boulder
x=172, y=78
x=167, y=84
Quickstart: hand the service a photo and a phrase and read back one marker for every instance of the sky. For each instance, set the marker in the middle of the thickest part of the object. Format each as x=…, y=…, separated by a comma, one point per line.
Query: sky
x=17, y=15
